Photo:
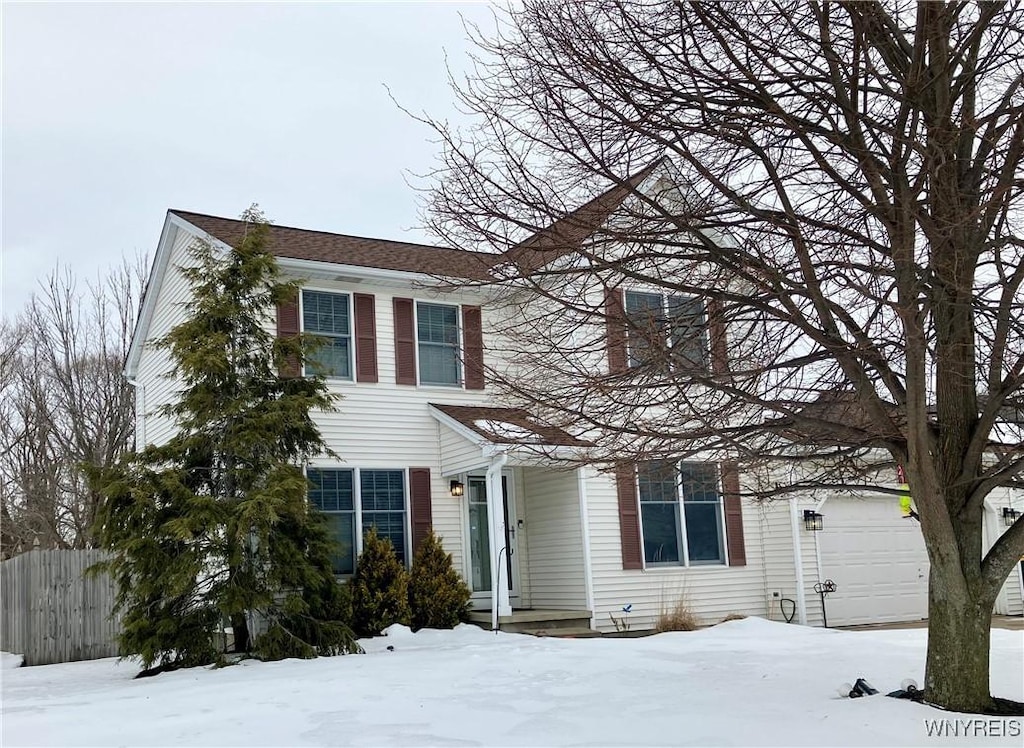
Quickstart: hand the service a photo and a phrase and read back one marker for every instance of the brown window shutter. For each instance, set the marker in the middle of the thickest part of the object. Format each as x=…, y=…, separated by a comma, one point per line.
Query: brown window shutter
x=366, y=338
x=288, y=327
x=405, y=342
x=420, y=513
x=615, y=319
x=719, y=344
x=473, y=347
x=629, y=516
x=733, y=514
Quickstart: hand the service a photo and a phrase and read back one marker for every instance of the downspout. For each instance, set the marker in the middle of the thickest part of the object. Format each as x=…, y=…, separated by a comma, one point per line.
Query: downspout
x=817, y=544
x=500, y=604
x=588, y=572
x=798, y=563
x=990, y=532
x=140, y=434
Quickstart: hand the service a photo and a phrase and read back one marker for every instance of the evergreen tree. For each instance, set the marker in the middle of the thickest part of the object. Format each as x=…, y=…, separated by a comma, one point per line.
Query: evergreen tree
x=438, y=596
x=214, y=525
x=380, y=587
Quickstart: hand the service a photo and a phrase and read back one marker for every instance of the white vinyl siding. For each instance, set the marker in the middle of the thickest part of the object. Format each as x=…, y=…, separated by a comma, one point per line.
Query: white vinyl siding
x=776, y=539
x=459, y=455
x=388, y=425
x=555, y=560
x=171, y=309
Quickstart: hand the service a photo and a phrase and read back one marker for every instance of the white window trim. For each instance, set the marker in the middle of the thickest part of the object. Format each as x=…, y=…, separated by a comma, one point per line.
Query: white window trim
x=351, y=331
x=511, y=486
x=684, y=563
x=461, y=384
x=665, y=294
x=357, y=507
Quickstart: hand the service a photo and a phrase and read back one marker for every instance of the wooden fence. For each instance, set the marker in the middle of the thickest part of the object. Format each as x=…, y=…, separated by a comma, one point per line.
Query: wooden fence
x=50, y=611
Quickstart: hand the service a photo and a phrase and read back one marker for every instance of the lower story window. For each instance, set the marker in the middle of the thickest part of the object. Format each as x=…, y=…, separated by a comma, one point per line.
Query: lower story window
x=681, y=513
x=379, y=502
x=382, y=495
x=330, y=491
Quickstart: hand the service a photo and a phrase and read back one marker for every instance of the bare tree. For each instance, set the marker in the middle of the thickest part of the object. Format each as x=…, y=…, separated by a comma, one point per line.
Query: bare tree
x=65, y=405
x=842, y=188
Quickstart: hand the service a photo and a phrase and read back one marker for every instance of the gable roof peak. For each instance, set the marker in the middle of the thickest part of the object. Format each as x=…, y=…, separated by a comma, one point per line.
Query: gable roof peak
x=567, y=233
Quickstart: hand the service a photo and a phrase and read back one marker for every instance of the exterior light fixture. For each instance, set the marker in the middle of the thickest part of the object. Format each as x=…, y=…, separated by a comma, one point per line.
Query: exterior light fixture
x=1010, y=515
x=456, y=487
x=812, y=520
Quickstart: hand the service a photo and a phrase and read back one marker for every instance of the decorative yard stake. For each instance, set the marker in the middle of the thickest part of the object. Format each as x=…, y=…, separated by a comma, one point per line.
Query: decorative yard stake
x=823, y=589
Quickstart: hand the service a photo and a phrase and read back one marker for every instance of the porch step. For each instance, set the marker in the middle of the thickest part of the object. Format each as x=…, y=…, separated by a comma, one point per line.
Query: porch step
x=539, y=622
x=581, y=632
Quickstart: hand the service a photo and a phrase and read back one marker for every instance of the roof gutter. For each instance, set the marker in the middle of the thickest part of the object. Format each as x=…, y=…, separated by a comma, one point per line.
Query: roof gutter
x=798, y=564
x=359, y=273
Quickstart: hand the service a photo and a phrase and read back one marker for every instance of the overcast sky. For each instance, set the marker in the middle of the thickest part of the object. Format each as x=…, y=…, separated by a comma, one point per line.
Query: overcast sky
x=113, y=113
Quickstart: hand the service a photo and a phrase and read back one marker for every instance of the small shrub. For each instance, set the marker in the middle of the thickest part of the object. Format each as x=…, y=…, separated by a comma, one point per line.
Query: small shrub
x=438, y=597
x=380, y=587
x=677, y=618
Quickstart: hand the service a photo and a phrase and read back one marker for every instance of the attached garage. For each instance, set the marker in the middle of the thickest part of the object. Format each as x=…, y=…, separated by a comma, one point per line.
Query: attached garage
x=877, y=560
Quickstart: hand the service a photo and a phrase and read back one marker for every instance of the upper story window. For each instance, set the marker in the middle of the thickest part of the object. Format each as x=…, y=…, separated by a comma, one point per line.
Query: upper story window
x=328, y=316
x=667, y=330
x=681, y=513
x=437, y=338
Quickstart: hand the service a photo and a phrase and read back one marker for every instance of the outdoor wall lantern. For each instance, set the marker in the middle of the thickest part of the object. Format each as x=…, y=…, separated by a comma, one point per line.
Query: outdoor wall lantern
x=456, y=487
x=1010, y=515
x=812, y=520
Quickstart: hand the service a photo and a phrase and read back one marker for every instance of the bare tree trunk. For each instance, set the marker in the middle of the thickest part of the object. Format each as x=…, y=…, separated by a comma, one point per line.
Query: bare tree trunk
x=838, y=184
x=959, y=633
x=240, y=630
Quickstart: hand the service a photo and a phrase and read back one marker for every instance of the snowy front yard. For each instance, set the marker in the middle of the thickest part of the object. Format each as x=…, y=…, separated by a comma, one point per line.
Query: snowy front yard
x=746, y=682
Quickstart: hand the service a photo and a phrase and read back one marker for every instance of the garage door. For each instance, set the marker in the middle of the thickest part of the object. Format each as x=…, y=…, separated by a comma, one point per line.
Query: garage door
x=877, y=560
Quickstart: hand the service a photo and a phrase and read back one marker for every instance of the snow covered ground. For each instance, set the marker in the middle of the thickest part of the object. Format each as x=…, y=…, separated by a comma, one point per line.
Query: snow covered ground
x=747, y=682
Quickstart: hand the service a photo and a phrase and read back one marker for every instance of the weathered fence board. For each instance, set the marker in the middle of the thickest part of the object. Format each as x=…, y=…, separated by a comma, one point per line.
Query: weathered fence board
x=51, y=611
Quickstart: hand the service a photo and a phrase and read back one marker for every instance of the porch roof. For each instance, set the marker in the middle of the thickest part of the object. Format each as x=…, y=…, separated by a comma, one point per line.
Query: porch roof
x=485, y=431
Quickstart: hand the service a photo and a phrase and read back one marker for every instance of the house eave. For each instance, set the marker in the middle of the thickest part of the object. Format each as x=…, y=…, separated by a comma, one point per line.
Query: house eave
x=172, y=224
x=317, y=269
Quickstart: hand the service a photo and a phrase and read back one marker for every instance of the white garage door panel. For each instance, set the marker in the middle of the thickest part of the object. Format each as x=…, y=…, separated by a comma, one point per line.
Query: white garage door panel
x=877, y=560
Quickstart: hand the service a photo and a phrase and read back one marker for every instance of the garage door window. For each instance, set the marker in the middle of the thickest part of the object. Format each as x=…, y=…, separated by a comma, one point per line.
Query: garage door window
x=681, y=513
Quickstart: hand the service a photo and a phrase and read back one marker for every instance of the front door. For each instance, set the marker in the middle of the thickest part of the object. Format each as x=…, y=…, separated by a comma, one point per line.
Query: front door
x=481, y=563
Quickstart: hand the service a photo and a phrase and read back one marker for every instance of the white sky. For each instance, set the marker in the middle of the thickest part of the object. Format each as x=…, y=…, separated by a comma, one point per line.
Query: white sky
x=113, y=113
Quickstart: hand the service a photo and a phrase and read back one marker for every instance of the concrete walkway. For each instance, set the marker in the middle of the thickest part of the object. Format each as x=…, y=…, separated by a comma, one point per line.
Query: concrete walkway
x=1014, y=623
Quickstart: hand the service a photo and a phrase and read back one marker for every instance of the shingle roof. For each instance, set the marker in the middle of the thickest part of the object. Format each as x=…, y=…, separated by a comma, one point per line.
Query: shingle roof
x=508, y=426
x=567, y=233
x=838, y=417
x=322, y=246
x=563, y=236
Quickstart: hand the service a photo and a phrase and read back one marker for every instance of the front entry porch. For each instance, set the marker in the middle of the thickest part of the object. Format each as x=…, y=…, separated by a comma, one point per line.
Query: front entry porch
x=568, y=623
x=524, y=537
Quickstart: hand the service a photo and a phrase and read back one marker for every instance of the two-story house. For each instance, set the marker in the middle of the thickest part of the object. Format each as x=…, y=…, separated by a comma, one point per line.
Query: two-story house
x=539, y=538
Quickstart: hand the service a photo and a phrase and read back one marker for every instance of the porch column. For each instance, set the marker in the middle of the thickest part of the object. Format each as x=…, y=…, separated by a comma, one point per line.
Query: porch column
x=500, y=603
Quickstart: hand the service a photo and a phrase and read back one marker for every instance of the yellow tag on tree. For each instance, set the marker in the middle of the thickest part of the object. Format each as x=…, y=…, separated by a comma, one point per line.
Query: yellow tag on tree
x=905, y=501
